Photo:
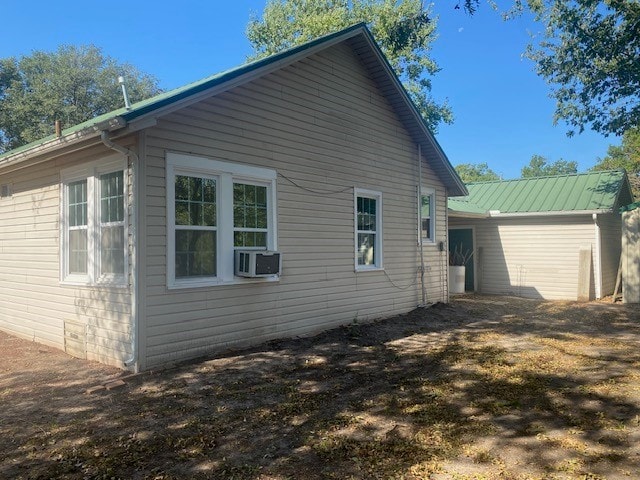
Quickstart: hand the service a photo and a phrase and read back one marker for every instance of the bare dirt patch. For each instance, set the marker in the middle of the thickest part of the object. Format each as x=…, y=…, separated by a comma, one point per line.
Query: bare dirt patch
x=484, y=388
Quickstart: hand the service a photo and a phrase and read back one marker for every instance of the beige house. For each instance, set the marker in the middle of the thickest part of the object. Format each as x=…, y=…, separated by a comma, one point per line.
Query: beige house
x=277, y=199
x=548, y=237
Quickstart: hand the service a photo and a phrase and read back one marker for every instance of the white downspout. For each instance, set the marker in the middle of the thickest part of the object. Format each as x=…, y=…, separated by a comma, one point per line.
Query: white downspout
x=133, y=360
x=598, y=260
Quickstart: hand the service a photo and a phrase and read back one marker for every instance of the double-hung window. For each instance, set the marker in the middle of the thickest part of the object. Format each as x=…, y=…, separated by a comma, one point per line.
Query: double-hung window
x=214, y=208
x=93, y=223
x=427, y=214
x=368, y=235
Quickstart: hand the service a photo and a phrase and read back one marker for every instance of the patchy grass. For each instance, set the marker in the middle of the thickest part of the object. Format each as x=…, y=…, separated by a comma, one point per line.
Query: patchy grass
x=487, y=388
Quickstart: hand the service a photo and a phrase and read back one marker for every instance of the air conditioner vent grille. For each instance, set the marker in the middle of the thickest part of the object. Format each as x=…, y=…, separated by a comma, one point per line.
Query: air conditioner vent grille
x=252, y=263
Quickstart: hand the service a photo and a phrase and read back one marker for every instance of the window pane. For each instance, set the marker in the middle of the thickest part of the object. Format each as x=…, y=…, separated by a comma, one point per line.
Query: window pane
x=261, y=197
x=182, y=213
x=250, y=239
x=209, y=214
x=249, y=206
x=426, y=205
x=195, y=253
x=366, y=213
x=78, y=251
x=195, y=201
x=77, y=195
x=426, y=227
x=195, y=214
x=365, y=253
x=261, y=217
x=425, y=212
x=112, y=250
x=250, y=217
x=238, y=216
x=182, y=187
x=112, y=197
x=195, y=189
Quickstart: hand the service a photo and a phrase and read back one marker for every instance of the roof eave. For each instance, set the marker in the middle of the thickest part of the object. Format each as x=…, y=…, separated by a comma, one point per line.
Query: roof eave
x=559, y=213
x=459, y=214
x=49, y=146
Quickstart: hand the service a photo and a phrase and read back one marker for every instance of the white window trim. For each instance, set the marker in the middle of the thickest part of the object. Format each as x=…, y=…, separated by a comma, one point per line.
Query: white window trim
x=427, y=191
x=378, y=247
x=91, y=172
x=225, y=173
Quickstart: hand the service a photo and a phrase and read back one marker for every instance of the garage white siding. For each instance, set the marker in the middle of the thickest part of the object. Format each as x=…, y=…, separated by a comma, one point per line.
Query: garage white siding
x=531, y=257
x=611, y=246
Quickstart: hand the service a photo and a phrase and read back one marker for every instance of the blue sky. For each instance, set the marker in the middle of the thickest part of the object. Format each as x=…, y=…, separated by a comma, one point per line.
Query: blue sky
x=503, y=113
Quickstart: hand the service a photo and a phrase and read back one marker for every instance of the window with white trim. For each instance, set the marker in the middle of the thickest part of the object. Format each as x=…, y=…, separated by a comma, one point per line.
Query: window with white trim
x=214, y=208
x=93, y=223
x=368, y=234
x=427, y=214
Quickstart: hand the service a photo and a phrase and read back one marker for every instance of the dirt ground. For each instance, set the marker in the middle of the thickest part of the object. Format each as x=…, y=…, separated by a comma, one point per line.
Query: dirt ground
x=484, y=388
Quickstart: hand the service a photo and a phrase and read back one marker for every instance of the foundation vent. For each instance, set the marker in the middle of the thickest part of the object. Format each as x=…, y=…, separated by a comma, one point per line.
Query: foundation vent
x=75, y=338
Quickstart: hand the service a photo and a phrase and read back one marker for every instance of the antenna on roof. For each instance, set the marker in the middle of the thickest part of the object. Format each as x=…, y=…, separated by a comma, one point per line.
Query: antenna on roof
x=127, y=105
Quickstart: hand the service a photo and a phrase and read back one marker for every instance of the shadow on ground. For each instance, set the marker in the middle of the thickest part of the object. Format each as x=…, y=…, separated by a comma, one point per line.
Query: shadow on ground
x=491, y=386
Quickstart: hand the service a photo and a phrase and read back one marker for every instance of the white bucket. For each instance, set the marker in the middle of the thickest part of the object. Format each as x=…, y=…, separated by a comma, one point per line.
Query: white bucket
x=456, y=278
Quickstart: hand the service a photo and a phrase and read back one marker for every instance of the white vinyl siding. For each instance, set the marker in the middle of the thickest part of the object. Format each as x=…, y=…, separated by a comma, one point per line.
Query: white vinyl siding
x=630, y=254
x=610, y=246
x=534, y=257
x=324, y=127
x=33, y=302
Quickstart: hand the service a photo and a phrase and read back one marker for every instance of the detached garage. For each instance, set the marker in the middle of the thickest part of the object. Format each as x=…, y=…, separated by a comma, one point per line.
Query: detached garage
x=548, y=237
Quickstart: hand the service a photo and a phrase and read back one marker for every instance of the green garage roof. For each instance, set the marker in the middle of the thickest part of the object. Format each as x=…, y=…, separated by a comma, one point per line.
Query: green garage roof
x=583, y=192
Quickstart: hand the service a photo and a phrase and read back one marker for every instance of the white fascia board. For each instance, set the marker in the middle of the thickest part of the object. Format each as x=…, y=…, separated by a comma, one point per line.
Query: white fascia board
x=456, y=214
x=562, y=213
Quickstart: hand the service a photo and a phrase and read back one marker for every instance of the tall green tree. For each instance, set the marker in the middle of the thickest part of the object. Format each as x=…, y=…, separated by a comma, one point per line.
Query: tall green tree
x=478, y=172
x=539, y=167
x=404, y=29
x=627, y=156
x=590, y=54
x=72, y=85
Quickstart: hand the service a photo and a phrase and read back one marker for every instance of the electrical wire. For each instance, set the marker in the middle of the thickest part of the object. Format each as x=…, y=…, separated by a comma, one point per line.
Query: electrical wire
x=397, y=286
x=318, y=192
x=335, y=192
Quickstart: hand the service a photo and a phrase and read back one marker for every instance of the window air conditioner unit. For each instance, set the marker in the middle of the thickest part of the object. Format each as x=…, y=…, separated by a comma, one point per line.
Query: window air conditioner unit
x=257, y=263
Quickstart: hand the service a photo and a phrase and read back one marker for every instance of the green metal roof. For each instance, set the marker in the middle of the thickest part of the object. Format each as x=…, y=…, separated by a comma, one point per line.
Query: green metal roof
x=166, y=98
x=462, y=205
x=583, y=192
x=358, y=36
